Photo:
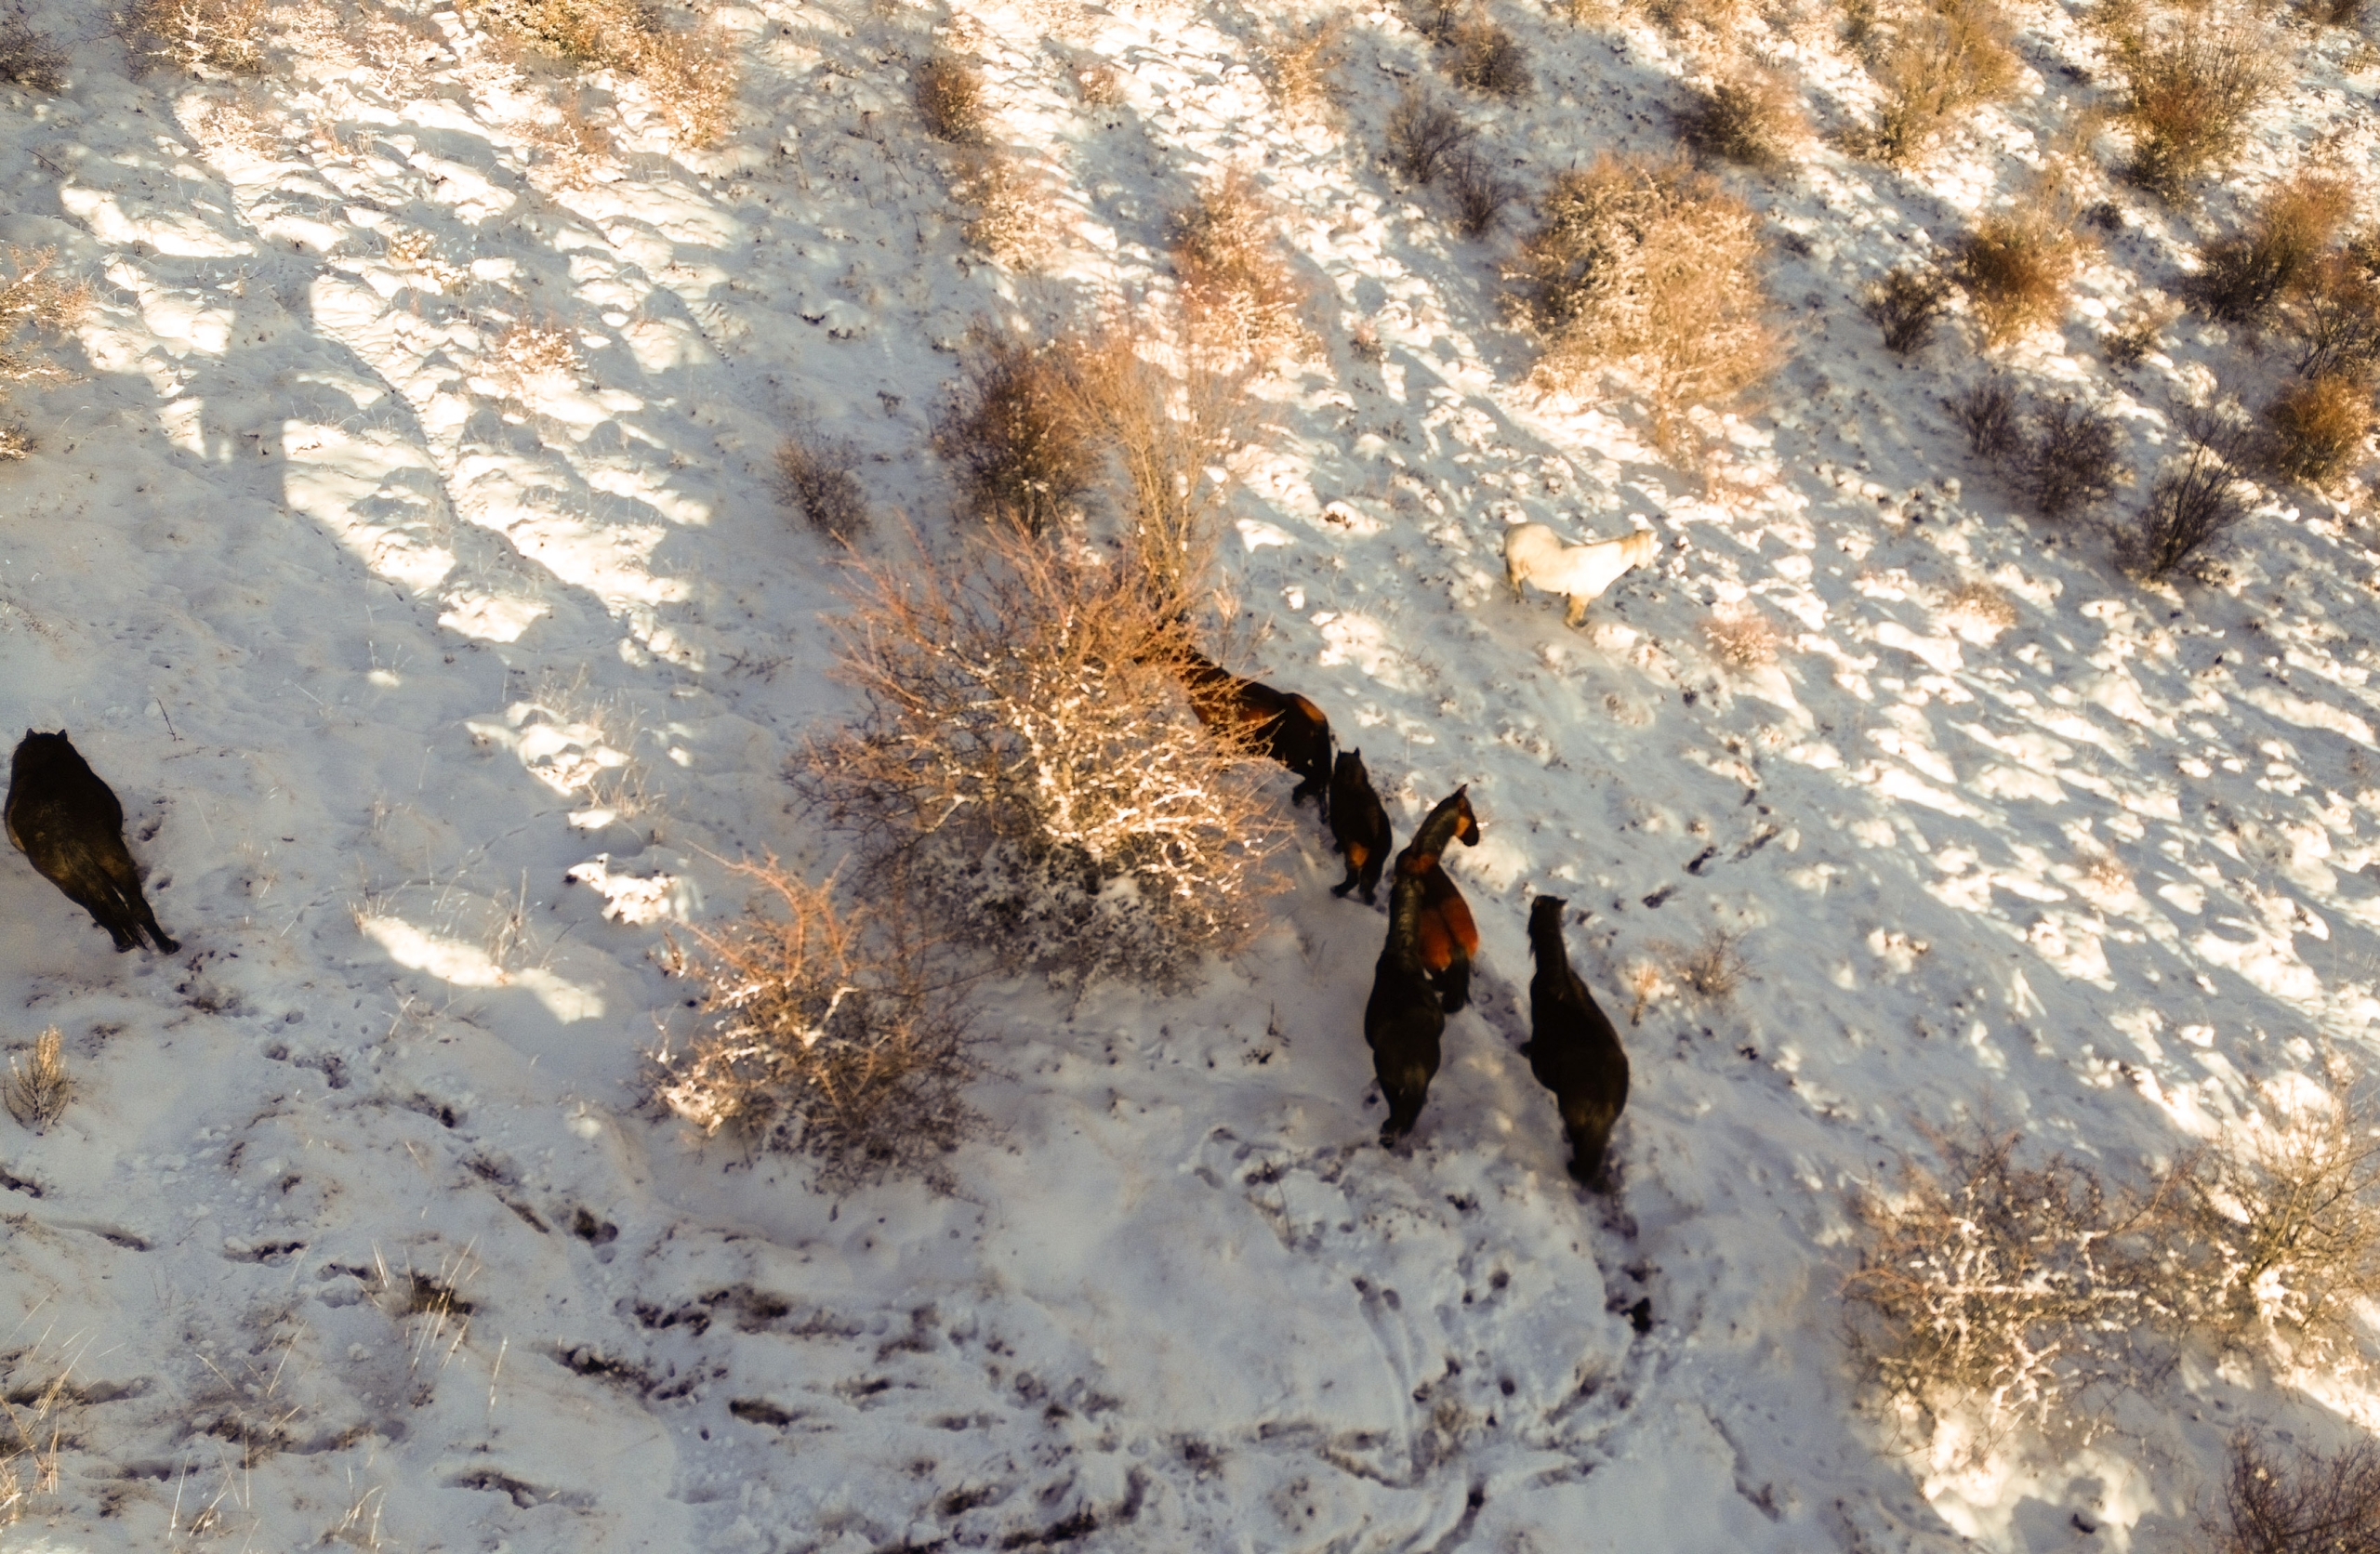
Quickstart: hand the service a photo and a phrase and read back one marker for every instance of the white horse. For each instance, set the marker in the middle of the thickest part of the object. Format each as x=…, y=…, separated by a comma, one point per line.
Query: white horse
x=1534, y=553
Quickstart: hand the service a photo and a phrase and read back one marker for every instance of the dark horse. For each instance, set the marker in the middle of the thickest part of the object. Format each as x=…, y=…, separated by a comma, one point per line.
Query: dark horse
x=69, y=823
x=1572, y=1049
x=1447, y=937
x=1358, y=825
x=1404, y=1018
x=1281, y=723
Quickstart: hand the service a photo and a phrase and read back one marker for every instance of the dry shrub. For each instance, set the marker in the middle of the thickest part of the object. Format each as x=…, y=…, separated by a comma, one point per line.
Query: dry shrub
x=2241, y=276
x=2332, y=311
x=815, y=474
x=2197, y=497
x=34, y=300
x=2332, y=13
x=1982, y=603
x=1750, y=117
x=1423, y=135
x=31, y=60
x=2283, y=1231
x=201, y=35
x=570, y=143
x=1237, y=291
x=1479, y=54
x=1651, y=270
x=1016, y=217
x=38, y=1093
x=1300, y=61
x=831, y=1032
x=1713, y=968
x=2188, y=88
x=2138, y=331
x=690, y=75
x=526, y=350
x=1907, y=304
x=1998, y=1293
x=2015, y=268
x=1986, y=412
x=1480, y=193
x=1744, y=640
x=950, y=98
x=2319, y=1505
x=1025, y=761
x=1018, y=435
x=2319, y=428
x=1097, y=84
x=2068, y=459
x=1935, y=64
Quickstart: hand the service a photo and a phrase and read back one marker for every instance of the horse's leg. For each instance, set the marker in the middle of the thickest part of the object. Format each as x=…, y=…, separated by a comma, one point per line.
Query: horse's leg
x=1576, y=611
x=1372, y=876
x=1356, y=858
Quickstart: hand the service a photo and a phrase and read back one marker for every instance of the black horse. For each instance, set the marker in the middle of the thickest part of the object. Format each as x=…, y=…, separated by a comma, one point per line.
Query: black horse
x=1281, y=723
x=1404, y=1018
x=68, y=822
x=1448, y=938
x=1572, y=1049
x=1358, y=825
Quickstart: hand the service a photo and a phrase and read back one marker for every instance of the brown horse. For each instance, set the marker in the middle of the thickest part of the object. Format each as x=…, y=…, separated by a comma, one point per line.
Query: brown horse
x=1358, y=826
x=1572, y=1049
x=1281, y=723
x=1445, y=935
x=1404, y=1018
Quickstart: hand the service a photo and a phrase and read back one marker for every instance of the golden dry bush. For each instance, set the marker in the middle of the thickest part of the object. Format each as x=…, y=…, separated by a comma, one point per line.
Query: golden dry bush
x=1026, y=764
x=2190, y=83
x=1097, y=84
x=949, y=94
x=1301, y=64
x=828, y=1030
x=1478, y=53
x=2319, y=429
x=2243, y=275
x=1017, y=434
x=1237, y=291
x=223, y=36
x=1982, y=603
x=527, y=349
x=2018, y=269
x=2332, y=312
x=1649, y=270
x=1016, y=221
x=1749, y=116
x=1935, y=64
x=690, y=75
x=1741, y=639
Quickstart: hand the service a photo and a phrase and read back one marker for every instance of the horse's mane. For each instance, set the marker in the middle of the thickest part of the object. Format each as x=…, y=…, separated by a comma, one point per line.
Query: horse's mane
x=1439, y=828
x=1405, y=925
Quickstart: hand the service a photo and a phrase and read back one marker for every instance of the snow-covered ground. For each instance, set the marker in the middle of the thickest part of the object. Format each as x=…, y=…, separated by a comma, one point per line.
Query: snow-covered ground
x=435, y=688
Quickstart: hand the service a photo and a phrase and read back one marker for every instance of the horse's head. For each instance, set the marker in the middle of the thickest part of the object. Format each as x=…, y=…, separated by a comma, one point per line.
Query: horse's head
x=1466, y=828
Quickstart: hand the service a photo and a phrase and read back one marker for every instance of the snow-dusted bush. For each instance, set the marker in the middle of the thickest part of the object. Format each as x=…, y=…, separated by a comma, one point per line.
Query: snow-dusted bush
x=1749, y=116
x=28, y=59
x=815, y=474
x=2198, y=496
x=1651, y=270
x=690, y=75
x=1237, y=290
x=2243, y=275
x=1024, y=761
x=1741, y=641
x=830, y=1030
x=225, y=35
x=1996, y=1293
x=1016, y=218
x=2321, y=1504
x=2190, y=83
x=1907, y=304
x=1934, y=62
x=2319, y=428
x=1299, y=63
x=1423, y=135
x=950, y=95
x=1017, y=434
x=2017, y=269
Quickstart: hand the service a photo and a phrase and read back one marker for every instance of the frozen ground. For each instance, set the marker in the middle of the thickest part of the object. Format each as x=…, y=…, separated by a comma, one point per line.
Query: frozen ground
x=379, y=638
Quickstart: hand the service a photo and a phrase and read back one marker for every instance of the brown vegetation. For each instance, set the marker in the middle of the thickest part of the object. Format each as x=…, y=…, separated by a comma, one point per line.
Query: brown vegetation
x=690, y=75
x=35, y=300
x=1749, y=116
x=1017, y=434
x=226, y=36
x=2070, y=458
x=1300, y=61
x=28, y=59
x=1936, y=62
x=2017, y=269
x=950, y=95
x=1478, y=53
x=1651, y=270
x=1907, y=304
x=2243, y=275
x=2198, y=496
x=1423, y=135
x=2319, y=428
x=815, y=474
x=2320, y=1504
x=2188, y=88
x=1480, y=193
x=1238, y=294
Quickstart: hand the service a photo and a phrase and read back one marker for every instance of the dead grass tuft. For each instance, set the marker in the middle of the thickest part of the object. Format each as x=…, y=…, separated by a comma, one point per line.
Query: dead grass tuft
x=200, y=36
x=2242, y=276
x=1907, y=304
x=831, y=1033
x=814, y=473
x=1097, y=84
x=1423, y=135
x=526, y=350
x=1648, y=269
x=1749, y=116
x=38, y=1093
x=2319, y=429
x=1742, y=640
x=29, y=61
x=1713, y=968
x=950, y=95
x=1936, y=63
x=1017, y=434
x=2138, y=331
x=2332, y=311
x=2017, y=269
x=2190, y=86
x=1026, y=765
x=1239, y=292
